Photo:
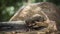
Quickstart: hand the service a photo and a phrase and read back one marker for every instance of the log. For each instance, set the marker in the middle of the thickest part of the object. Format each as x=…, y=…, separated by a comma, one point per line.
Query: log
x=12, y=26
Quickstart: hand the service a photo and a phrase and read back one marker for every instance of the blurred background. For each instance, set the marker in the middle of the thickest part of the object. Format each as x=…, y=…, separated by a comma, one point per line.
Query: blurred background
x=9, y=7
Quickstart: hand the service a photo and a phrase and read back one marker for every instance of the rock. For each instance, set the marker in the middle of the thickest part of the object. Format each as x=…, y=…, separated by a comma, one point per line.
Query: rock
x=28, y=11
x=47, y=10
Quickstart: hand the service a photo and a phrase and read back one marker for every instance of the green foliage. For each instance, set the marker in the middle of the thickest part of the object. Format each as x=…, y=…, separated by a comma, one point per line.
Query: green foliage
x=8, y=8
x=57, y=2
